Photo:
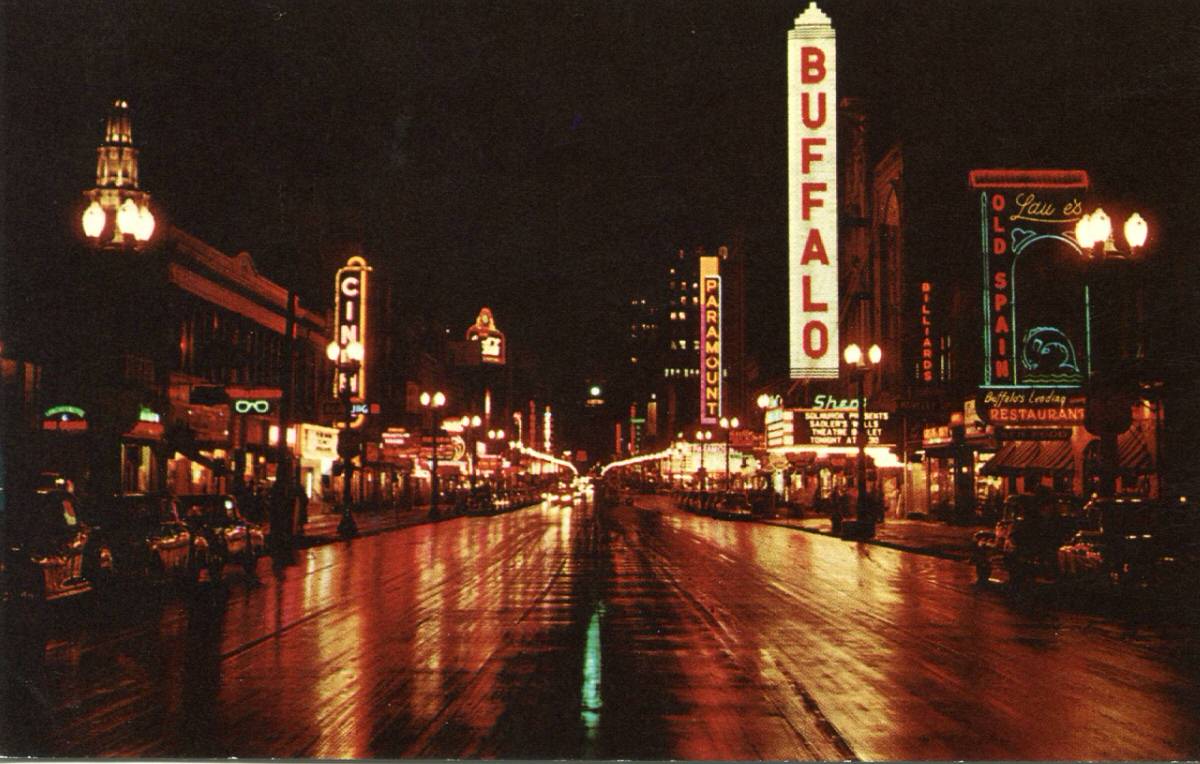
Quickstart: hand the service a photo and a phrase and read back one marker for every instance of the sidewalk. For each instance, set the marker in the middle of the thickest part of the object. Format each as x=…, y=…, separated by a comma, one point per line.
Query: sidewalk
x=930, y=537
x=322, y=528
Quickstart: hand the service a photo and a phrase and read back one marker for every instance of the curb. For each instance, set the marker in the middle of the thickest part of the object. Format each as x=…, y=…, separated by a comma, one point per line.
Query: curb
x=929, y=551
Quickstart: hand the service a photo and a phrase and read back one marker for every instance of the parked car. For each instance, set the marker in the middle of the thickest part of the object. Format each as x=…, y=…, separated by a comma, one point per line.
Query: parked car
x=1134, y=541
x=734, y=505
x=1028, y=535
x=147, y=540
x=47, y=552
x=230, y=537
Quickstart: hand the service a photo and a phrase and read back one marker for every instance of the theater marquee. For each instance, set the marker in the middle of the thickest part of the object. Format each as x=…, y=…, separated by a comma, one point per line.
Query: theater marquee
x=812, y=197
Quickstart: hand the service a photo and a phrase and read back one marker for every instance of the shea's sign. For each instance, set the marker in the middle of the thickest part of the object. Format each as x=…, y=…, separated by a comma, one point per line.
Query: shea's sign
x=812, y=197
x=1035, y=303
x=710, y=349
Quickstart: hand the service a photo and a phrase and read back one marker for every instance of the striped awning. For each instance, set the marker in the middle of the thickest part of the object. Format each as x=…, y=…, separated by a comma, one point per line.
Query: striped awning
x=1132, y=454
x=1025, y=457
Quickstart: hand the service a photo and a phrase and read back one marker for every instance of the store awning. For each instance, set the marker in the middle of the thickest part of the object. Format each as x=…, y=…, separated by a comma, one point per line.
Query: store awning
x=1023, y=457
x=1132, y=454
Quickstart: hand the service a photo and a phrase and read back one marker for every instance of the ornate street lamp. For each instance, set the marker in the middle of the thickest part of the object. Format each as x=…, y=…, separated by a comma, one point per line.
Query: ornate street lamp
x=728, y=425
x=860, y=366
x=469, y=425
x=430, y=402
x=347, y=360
x=118, y=215
x=1108, y=407
x=703, y=437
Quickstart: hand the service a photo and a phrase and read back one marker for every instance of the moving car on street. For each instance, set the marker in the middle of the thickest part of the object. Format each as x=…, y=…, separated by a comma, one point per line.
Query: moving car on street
x=230, y=538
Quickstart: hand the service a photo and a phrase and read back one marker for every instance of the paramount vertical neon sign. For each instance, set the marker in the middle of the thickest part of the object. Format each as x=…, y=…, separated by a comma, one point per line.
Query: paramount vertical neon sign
x=710, y=348
x=812, y=197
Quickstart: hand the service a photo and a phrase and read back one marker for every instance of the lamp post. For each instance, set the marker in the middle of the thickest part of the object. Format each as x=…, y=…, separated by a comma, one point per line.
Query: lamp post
x=728, y=424
x=703, y=437
x=469, y=424
x=1107, y=407
x=861, y=365
x=347, y=359
x=430, y=402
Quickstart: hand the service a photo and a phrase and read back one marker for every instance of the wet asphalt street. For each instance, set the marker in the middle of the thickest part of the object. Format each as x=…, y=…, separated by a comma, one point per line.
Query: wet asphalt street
x=632, y=632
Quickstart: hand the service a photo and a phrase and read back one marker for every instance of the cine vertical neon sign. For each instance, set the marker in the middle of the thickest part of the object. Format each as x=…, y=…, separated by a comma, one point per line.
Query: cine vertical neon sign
x=350, y=300
x=812, y=197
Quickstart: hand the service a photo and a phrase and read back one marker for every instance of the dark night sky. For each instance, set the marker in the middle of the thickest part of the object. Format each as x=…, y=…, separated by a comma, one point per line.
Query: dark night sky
x=545, y=157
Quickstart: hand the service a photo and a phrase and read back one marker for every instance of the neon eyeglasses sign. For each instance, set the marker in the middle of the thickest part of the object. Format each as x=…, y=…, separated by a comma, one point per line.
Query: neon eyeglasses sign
x=248, y=406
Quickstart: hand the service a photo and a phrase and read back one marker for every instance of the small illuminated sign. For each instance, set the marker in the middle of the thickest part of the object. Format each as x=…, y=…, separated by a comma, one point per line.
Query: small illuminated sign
x=251, y=406
x=64, y=419
x=812, y=197
x=490, y=339
x=65, y=412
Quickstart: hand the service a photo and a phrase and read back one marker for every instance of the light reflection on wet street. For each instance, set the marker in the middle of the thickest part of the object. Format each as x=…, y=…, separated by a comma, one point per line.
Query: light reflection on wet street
x=563, y=632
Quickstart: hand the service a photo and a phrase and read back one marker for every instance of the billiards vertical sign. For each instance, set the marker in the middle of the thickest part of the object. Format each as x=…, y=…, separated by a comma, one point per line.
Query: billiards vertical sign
x=350, y=288
x=812, y=197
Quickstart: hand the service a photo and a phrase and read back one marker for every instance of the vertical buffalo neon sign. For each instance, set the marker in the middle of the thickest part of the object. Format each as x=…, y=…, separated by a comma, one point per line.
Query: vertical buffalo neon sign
x=350, y=300
x=711, y=369
x=812, y=197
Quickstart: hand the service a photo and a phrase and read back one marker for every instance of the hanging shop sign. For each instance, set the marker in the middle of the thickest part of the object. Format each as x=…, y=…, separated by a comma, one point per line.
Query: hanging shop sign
x=812, y=197
x=838, y=427
x=711, y=369
x=1035, y=305
x=490, y=339
x=64, y=418
x=350, y=300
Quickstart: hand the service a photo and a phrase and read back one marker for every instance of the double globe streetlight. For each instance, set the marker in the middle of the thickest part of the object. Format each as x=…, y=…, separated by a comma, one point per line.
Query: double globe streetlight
x=430, y=402
x=1108, y=403
x=861, y=364
x=347, y=359
x=469, y=424
x=728, y=424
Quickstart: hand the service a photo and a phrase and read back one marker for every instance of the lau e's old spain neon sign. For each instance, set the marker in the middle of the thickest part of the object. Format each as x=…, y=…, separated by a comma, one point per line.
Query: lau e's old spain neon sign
x=812, y=197
x=1034, y=297
x=350, y=290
